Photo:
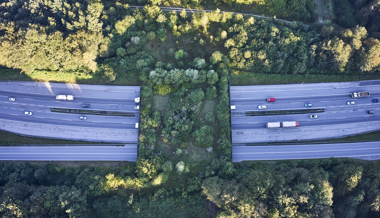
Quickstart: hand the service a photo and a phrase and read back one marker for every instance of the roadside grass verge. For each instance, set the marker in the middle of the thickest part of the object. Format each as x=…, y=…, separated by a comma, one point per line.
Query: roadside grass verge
x=366, y=137
x=7, y=138
x=130, y=78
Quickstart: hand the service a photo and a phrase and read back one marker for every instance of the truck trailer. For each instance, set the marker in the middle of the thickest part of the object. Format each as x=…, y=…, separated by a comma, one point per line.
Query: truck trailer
x=359, y=94
x=65, y=97
x=289, y=124
x=273, y=125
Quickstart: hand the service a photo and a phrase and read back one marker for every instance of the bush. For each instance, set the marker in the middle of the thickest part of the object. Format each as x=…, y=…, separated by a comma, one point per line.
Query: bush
x=164, y=89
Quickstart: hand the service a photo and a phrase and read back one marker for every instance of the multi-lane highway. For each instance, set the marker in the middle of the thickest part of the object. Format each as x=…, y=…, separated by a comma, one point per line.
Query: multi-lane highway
x=360, y=150
x=69, y=153
x=337, y=119
x=40, y=99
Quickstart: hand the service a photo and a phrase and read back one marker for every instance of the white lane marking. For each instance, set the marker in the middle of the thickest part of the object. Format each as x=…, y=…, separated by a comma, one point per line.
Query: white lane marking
x=324, y=101
x=40, y=117
x=341, y=118
x=96, y=122
x=13, y=114
x=67, y=120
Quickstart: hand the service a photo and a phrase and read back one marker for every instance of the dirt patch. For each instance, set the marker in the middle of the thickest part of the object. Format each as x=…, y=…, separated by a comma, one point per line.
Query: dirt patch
x=209, y=106
x=161, y=102
x=197, y=154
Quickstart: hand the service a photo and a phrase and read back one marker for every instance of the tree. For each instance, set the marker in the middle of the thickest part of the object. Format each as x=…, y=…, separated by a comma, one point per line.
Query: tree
x=161, y=34
x=196, y=96
x=122, y=25
x=63, y=200
x=212, y=77
x=219, y=191
x=203, y=136
x=211, y=92
x=216, y=57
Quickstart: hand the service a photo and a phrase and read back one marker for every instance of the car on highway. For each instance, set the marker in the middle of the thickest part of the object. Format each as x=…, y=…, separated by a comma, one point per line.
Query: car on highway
x=86, y=105
x=271, y=99
x=12, y=99
x=313, y=116
x=137, y=107
x=371, y=111
x=308, y=105
x=83, y=118
x=136, y=125
x=28, y=113
x=233, y=107
x=262, y=107
x=137, y=100
x=375, y=100
x=350, y=102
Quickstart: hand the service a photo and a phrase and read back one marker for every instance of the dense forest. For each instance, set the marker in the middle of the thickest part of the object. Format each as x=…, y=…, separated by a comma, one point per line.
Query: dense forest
x=183, y=63
x=311, y=188
x=366, y=13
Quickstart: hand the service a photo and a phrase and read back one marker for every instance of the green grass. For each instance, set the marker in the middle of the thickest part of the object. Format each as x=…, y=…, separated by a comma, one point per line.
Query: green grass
x=7, y=138
x=130, y=78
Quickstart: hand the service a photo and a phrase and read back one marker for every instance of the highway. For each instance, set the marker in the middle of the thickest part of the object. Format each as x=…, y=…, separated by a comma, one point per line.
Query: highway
x=359, y=150
x=330, y=98
x=69, y=153
x=39, y=98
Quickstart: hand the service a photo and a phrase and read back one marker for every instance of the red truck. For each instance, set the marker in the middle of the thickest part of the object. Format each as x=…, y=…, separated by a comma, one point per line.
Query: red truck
x=271, y=99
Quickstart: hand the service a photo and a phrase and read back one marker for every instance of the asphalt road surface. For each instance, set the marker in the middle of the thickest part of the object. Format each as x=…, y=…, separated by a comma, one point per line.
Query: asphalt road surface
x=360, y=150
x=69, y=153
x=40, y=98
x=332, y=98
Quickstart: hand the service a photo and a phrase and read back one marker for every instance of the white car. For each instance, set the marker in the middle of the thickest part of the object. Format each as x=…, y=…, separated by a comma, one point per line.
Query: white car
x=137, y=100
x=12, y=99
x=83, y=118
x=28, y=113
x=136, y=125
x=262, y=107
x=350, y=102
x=137, y=107
x=313, y=116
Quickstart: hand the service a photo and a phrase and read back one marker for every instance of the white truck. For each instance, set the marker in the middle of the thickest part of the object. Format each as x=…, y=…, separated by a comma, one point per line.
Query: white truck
x=289, y=124
x=65, y=97
x=359, y=94
x=273, y=125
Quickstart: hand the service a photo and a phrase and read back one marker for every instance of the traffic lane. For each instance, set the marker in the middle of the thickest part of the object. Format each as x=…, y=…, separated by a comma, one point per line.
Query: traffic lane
x=329, y=85
x=128, y=123
x=47, y=114
x=316, y=122
x=327, y=115
x=67, y=89
x=296, y=103
x=32, y=98
x=312, y=147
x=249, y=92
x=350, y=150
x=70, y=153
x=24, y=102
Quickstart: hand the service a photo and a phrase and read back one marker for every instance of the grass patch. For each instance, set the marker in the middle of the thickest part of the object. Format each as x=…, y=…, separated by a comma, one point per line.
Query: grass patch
x=7, y=138
x=128, y=79
x=283, y=112
x=249, y=78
